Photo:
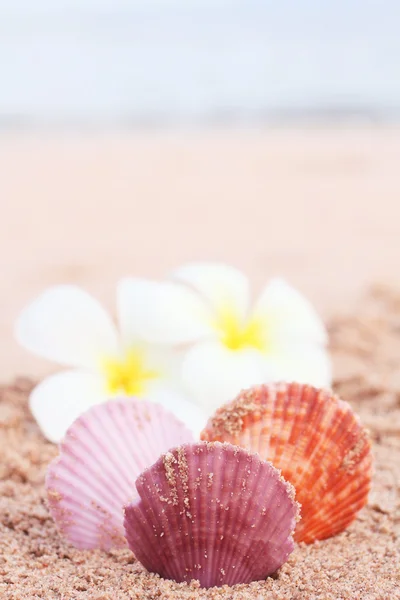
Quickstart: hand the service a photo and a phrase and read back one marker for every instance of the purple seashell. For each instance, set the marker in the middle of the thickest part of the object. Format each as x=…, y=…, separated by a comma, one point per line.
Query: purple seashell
x=212, y=512
x=100, y=458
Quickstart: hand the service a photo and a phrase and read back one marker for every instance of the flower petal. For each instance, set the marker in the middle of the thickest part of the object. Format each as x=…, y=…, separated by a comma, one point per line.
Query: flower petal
x=162, y=313
x=224, y=287
x=59, y=399
x=67, y=325
x=214, y=374
x=301, y=363
x=286, y=314
x=166, y=388
x=191, y=414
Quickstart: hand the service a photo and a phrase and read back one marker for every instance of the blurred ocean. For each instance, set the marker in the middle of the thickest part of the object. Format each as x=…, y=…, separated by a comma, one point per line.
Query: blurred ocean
x=129, y=61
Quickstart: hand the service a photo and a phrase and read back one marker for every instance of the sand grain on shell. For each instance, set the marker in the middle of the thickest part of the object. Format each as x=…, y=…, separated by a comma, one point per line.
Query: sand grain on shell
x=362, y=563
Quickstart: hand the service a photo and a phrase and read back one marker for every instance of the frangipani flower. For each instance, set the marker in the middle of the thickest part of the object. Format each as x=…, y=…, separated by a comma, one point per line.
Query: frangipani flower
x=237, y=345
x=68, y=326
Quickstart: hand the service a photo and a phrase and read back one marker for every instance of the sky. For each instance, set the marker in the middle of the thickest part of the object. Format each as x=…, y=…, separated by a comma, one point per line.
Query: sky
x=119, y=60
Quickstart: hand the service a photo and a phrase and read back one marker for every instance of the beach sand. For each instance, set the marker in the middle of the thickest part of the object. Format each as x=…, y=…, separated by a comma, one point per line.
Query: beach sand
x=320, y=207
x=317, y=206
x=362, y=563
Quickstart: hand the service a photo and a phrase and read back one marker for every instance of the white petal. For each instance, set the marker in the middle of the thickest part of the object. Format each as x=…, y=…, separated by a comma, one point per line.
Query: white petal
x=164, y=313
x=164, y=361
x=224, y=287
x=188, y=412
x=214, y=374
x=59, y=399
x=67, y=325
x=300, y=363
x=166, y=389
x=286, y=314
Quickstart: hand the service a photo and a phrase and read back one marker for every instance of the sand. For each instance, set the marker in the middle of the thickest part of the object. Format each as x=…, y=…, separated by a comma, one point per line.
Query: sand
x=362, y=563
x=319, y=206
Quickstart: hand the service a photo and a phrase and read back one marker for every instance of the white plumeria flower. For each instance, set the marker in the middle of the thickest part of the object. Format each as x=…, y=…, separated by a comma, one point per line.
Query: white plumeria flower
x=280, y=338
x=68, y=326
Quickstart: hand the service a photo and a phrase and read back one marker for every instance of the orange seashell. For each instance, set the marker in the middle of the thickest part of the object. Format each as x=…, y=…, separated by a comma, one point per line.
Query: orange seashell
x=317, y=442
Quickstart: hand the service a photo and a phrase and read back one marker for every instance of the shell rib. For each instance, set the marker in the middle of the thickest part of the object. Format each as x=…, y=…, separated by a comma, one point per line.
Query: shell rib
x=314, y=438
x=100, y=458
x=211, y=512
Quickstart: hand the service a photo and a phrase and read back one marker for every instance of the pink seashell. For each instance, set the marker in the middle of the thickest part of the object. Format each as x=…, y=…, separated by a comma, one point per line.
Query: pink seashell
x=100, y=458
x=314, y=438
x=211, y=512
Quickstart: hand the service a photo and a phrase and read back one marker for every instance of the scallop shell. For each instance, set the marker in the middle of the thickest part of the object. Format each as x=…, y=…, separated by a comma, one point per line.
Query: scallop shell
x=211, y=512
x=316, y=441
x=100, y=458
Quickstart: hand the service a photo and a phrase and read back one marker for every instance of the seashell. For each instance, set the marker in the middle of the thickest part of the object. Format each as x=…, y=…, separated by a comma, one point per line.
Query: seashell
x=316, y=441
x=101, y=456
x=211, y=512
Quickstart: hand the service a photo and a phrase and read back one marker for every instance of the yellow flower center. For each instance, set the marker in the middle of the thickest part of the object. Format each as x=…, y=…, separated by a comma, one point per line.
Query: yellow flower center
x=237, y=334
x=129, y=375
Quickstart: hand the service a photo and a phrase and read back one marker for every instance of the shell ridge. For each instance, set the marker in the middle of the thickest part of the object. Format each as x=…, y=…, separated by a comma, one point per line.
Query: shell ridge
x=314, y=438
x=284, y=517
x=102, y=505
x=276, y=421
x=82, y=476
x=357, y=499
x=320, y=477
x=238, y=548
x=126, y=441
x=118, y=452
x=168, y=490
x=160, y=434
x=169, y=558
x=78, y=459
x=232, y=528
x=139, y=523
x=181, y=472
x=321, y=450
x=243, y=541
x=270, y=485
x=158, y=479
x=110, y=460
x=284, y=430
x=216, y=518
x=207, y=558
x=200, y=510
x=267, y=398
x=293, y=403
x=101, y=456
x=282, y=512
x=314, y=417
x=74, y=502
x=142, y=512
x=304, y=407
x=213, y=520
